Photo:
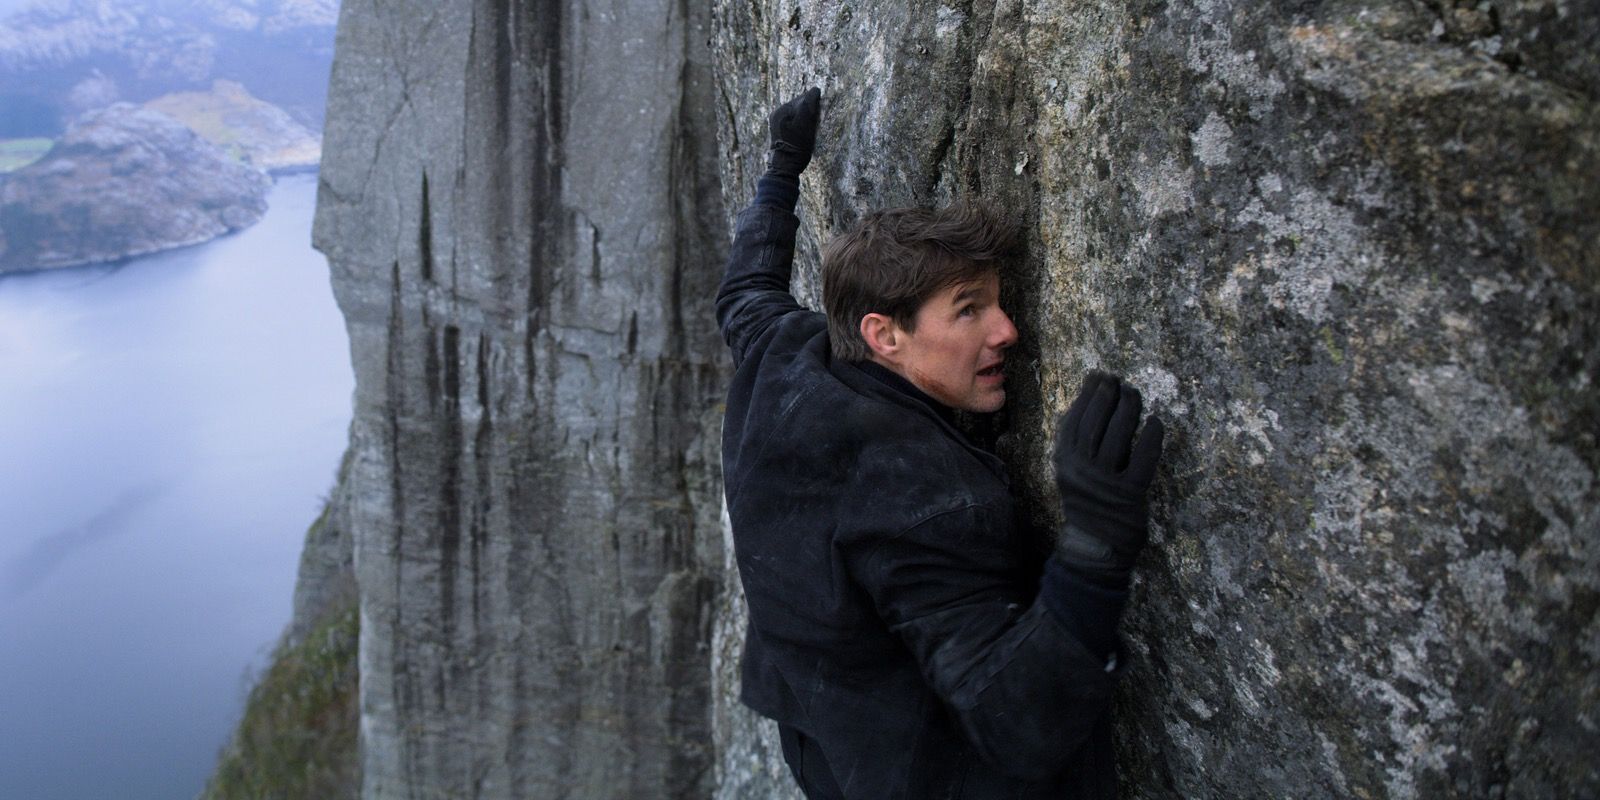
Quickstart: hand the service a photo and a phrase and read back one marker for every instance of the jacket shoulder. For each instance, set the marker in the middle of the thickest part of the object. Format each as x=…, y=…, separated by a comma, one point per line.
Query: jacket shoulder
x=913, y=470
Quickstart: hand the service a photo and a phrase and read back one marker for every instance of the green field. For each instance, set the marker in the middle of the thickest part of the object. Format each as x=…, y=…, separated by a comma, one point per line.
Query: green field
x=19, y=153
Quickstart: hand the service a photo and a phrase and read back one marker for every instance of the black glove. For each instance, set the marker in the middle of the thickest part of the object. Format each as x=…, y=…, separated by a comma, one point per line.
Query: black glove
x=1104, y=477
x=794, y=134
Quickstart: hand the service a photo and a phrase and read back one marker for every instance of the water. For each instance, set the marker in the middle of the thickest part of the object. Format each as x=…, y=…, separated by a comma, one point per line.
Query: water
x=167, y=431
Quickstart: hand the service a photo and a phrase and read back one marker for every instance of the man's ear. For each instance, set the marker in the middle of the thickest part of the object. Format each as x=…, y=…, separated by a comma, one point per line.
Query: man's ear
x=882, y=335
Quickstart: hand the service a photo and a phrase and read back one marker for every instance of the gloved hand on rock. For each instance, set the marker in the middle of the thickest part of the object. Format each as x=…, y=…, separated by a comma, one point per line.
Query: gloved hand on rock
x=1104, y=477
x=793, y=129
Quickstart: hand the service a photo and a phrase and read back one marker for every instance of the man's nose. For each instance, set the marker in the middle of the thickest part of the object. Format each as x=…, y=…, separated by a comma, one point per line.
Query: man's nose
x=1004, y=334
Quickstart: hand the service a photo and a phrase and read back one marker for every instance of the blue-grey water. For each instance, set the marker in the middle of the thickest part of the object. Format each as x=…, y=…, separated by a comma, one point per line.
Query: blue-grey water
x=168, y=428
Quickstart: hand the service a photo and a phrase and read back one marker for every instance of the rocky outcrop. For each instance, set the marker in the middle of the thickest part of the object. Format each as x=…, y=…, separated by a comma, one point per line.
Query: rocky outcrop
x=123, y=182
x=255, y=131
x=1345, y=250
x=520, y=208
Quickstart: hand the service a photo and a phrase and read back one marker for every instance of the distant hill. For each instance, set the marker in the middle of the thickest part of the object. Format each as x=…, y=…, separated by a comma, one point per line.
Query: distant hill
x=62, y=58
x=123, y=181
x=246, y=127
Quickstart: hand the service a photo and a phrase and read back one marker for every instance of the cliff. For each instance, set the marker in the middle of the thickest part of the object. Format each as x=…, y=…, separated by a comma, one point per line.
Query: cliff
x=1346, y=250
x=122, y=182
x=519, y=205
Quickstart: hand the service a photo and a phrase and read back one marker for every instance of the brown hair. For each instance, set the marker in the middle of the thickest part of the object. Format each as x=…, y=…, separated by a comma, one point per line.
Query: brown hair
x=892, y=261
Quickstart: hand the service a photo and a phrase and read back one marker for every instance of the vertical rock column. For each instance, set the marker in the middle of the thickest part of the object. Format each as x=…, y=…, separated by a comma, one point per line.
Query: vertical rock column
x=525, y=241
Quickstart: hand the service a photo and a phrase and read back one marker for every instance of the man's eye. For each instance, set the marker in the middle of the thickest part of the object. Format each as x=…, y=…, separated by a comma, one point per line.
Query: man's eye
x=967, y=311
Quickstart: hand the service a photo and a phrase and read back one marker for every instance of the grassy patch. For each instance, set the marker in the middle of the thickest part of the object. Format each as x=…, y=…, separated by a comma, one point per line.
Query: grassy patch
x=209, y=119
x=18, y=153
x=215, y=115
x=298, y=735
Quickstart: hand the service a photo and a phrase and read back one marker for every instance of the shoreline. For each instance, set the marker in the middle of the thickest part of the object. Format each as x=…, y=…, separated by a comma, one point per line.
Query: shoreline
x=118, y=261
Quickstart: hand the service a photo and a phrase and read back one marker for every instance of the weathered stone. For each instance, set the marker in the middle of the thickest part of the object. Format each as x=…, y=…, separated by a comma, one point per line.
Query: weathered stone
x=1348, y=250
x=122, y=182
x=325, y=580
x=525, y=235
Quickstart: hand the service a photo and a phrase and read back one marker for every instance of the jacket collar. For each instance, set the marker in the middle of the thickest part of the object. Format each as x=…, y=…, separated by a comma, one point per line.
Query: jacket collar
x=893, y=380
x=869, y=377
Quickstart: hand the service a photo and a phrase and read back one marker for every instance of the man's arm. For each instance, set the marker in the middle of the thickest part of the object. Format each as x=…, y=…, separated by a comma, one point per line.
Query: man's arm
x=755, y=284
x=1104, y=479
x=1026, y=692
x=1028, y=683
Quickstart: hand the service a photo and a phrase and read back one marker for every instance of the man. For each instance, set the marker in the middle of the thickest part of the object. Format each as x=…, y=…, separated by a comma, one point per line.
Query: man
x=903, y=632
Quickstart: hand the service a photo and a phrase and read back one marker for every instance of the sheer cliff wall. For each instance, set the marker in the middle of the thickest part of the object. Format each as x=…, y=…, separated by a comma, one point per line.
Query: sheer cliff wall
x=1347, y=250
x=525, y=238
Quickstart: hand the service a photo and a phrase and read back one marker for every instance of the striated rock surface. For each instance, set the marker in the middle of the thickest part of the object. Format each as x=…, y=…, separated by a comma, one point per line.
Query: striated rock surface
x=520, y=207
x=123, y=182
x=255, y=131
x=1349, y=251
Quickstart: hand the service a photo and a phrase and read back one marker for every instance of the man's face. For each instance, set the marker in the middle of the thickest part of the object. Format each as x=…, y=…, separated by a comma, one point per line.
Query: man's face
x=957, y=353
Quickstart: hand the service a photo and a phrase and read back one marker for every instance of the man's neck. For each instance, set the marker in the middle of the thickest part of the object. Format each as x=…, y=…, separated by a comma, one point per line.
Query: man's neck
x=890, y=377
x=900, y=376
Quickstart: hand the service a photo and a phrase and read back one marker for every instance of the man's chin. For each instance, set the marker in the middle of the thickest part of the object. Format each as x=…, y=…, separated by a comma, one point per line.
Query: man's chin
x=989, y=403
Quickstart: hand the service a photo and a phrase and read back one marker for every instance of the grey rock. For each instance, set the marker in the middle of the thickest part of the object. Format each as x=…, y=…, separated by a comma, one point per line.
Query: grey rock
x=325, y=581
x=1348, y=250
x=525, y=236
x=122, y=182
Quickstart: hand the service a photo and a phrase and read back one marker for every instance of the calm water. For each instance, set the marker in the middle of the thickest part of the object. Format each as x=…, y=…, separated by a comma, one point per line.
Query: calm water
x=167, y=431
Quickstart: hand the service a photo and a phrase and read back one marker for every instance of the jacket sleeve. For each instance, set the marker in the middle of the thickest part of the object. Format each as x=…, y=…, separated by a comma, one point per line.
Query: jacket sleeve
x=755, y=284
x=1024, y=690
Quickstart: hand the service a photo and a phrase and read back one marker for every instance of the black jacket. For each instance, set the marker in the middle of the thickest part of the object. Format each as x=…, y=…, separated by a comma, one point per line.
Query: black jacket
x=893, y=622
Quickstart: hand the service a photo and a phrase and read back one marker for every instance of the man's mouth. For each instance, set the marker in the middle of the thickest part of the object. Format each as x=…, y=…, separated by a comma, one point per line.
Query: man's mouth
x=996, y=369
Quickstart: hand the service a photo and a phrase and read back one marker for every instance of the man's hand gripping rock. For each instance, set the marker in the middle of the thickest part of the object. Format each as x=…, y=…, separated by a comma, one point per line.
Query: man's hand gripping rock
x=793, y=128
x=1104, y=477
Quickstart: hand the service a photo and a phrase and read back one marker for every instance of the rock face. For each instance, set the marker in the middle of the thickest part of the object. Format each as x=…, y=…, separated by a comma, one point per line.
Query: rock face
x=254, y=130
x=1349, y=252
x=123, y=181
x=520, y=206
x=1346, y=250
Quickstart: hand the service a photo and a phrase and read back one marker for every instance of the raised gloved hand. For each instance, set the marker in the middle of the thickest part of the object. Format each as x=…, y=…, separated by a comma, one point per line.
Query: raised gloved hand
x=793, y=128
x=1104, y=477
